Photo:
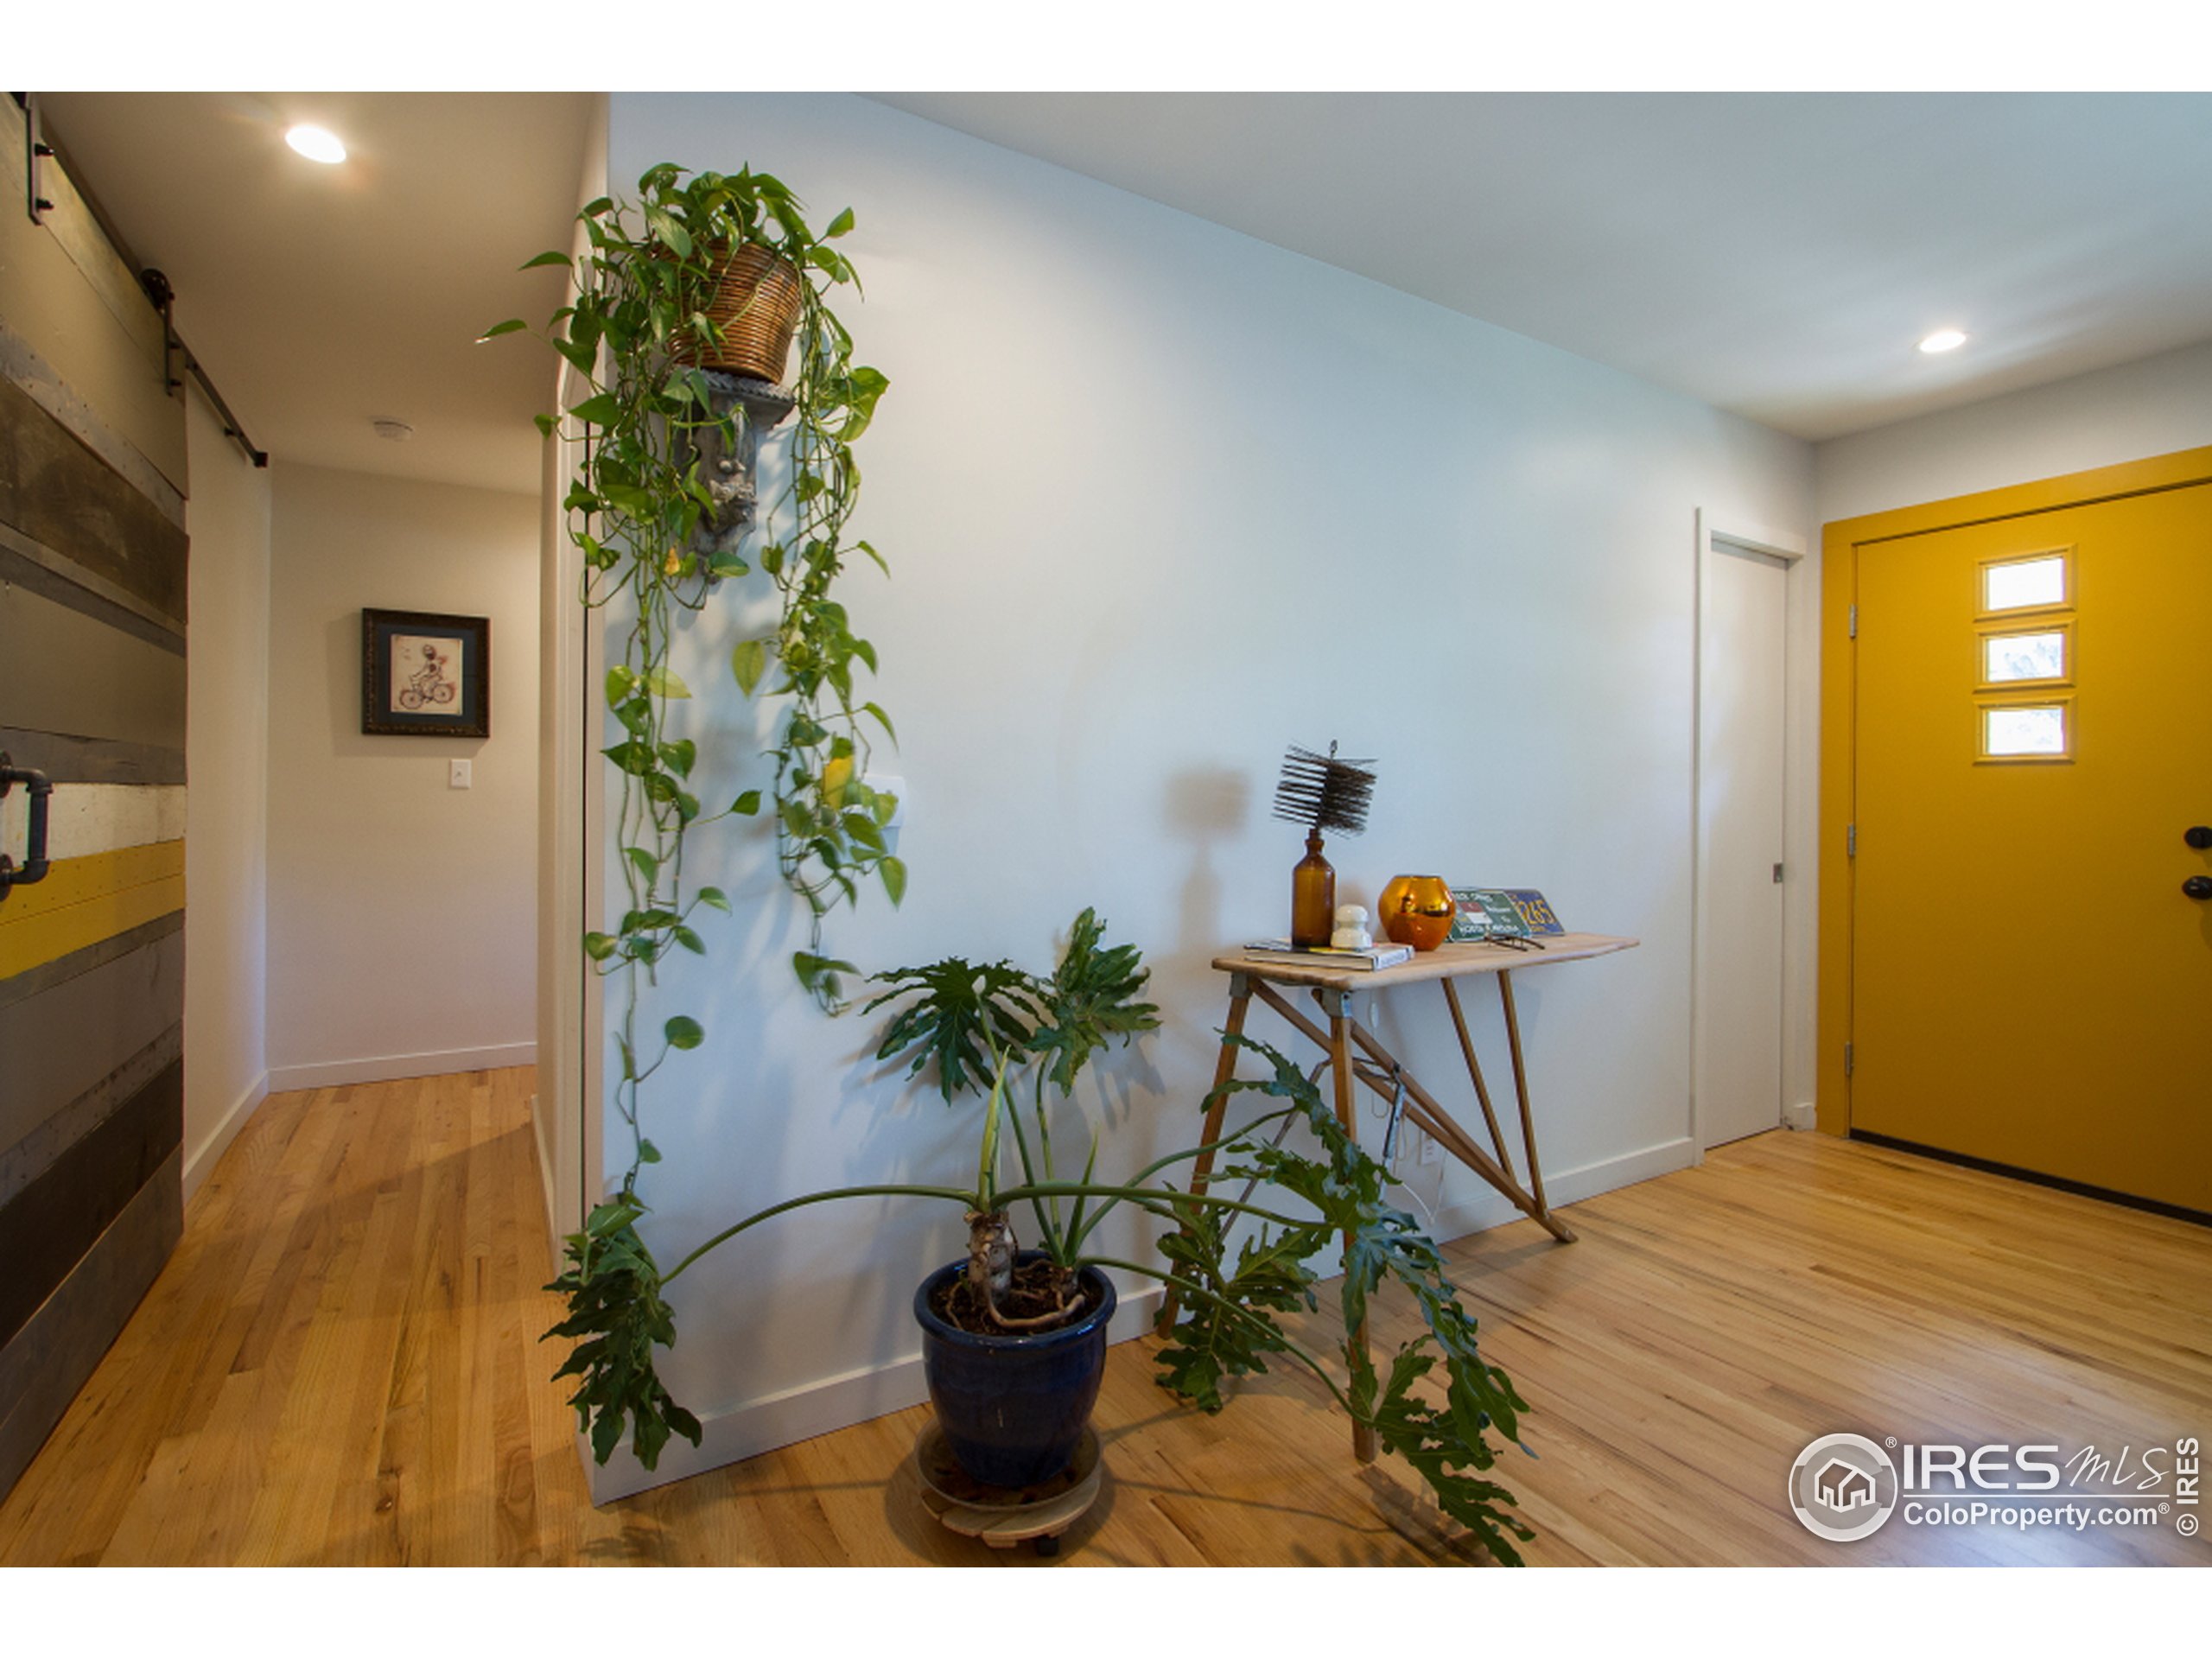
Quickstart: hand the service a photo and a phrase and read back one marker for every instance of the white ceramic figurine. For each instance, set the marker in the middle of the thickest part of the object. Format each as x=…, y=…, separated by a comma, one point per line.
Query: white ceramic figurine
x=1352, y=932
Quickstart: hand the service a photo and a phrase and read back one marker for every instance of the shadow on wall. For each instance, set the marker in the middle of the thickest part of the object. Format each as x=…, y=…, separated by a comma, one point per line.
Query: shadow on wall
x=1205, y=805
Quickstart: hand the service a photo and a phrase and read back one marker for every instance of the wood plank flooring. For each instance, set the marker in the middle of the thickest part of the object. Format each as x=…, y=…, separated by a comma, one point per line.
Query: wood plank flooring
x=341, y=1366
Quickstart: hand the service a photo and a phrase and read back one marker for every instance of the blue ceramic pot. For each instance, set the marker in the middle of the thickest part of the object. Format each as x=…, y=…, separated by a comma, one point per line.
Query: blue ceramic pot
x=1013, y=1407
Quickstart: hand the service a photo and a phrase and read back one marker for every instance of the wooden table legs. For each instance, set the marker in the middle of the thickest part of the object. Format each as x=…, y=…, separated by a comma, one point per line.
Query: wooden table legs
x=1240, y=1002
x=1520, y=1088
x=1425, y=1113
x=1340, y=1063
x=1475, y=1072
x=1345, y=1034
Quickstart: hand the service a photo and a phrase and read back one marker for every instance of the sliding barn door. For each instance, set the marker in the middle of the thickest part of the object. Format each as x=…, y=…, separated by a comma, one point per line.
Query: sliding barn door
x=91, y=722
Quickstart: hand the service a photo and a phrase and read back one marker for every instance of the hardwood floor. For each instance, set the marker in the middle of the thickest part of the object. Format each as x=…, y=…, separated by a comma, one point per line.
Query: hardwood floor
x=340, y=1365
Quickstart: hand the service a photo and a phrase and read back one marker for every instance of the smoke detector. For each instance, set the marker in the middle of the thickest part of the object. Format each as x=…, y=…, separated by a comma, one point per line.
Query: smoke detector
x=398, y=431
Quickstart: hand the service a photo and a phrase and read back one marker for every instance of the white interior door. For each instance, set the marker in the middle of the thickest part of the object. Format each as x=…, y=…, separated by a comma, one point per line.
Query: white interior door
x=1741, y=662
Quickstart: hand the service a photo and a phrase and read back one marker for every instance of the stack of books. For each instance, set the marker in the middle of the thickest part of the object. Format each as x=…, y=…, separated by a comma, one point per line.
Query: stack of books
x=1374, y=957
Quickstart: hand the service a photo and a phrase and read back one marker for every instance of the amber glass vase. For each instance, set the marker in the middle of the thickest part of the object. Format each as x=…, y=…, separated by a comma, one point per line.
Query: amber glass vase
x=1313, y=897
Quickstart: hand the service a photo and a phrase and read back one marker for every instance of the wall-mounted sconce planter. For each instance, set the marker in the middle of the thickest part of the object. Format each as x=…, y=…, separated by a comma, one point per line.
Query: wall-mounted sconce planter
x=730, y=467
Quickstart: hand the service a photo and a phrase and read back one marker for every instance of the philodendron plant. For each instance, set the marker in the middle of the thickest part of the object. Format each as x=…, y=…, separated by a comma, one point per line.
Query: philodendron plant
x=1020, y=1041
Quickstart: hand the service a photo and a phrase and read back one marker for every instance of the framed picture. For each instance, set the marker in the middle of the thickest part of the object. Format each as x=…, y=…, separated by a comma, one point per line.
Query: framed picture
x=424, y=674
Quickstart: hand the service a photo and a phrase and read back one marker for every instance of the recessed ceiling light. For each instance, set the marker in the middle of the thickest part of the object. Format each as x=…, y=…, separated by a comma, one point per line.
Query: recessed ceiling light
x=317, y=144
x=396, y=431
x=1943, y=339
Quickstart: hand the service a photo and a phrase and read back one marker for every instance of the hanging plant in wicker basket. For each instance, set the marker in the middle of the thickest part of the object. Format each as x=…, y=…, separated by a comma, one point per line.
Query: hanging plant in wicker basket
x=751, y=297
x=704, y=274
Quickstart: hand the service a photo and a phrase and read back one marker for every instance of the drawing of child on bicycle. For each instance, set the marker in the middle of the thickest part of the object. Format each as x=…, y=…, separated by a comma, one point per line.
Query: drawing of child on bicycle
x=428, y=683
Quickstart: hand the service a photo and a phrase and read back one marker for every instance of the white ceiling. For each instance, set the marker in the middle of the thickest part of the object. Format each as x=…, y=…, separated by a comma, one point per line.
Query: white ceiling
x=1775, y=255
x=321, y=298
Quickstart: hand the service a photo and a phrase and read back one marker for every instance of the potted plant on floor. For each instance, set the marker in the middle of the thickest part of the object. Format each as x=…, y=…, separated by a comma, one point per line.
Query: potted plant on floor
x=1014, y=1340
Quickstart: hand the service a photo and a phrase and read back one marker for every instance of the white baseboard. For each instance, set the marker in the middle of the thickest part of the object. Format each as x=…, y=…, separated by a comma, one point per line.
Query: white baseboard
x=202, y=1161
x=1798, y=1116
x=801, y=1414
x=384, y=1068
x=1487, y=1209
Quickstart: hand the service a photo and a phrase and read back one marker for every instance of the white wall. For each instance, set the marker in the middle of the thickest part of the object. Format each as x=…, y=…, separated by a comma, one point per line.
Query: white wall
x=227, y=822
x=2150, y=407
x=1133, y=469
x=402, y=934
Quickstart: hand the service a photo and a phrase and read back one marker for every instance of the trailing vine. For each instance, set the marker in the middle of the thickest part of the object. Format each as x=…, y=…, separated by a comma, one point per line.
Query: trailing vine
x=637, y=321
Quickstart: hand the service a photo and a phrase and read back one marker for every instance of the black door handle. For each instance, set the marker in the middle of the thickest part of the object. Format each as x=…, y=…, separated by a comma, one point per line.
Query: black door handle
x=2198, y=836
x=32, y=869
x=2198, y=887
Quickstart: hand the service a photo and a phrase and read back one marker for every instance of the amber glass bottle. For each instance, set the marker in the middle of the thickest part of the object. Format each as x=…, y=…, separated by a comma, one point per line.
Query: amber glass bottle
x=1313, y=897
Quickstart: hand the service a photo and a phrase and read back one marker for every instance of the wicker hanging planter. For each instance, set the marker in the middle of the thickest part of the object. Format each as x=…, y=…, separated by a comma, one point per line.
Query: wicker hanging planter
x=755, y=308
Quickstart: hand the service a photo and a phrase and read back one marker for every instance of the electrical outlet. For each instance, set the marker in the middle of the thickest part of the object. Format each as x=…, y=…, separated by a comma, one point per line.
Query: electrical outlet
x=1432, y=1150
x=462, y=775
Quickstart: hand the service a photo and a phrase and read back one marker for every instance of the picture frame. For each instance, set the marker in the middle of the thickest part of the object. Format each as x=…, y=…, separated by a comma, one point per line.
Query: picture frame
x=425, y=674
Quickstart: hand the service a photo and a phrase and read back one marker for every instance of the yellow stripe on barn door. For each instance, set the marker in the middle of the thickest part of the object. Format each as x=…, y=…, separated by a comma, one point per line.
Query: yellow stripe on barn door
x=84, y=900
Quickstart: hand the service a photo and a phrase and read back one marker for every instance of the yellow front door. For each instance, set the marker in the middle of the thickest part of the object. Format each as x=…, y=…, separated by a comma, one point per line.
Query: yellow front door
x=2030, y=983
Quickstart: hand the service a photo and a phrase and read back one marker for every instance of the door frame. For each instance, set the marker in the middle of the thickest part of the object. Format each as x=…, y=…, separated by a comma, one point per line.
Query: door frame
x=1839, y=544
x=1790, y=548
x=570, y=796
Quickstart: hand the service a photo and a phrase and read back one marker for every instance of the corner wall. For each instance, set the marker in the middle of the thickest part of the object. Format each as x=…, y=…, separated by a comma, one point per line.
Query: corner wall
x=569, y=766
x=226, y=834
x=1134, y=475
x=402, y=931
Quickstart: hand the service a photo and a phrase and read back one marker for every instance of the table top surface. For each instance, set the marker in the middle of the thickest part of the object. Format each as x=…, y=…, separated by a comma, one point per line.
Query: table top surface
x=1445, y=962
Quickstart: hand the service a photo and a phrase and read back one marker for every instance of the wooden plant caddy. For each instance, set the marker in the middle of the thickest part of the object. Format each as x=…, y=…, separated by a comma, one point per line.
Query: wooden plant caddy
x=1036, y=1515
x=1269, y=976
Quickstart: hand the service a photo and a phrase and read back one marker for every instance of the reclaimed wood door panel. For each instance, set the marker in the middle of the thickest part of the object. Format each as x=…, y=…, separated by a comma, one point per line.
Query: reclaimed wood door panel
x=67, y=1037
x=94, y=569
x=57, y=494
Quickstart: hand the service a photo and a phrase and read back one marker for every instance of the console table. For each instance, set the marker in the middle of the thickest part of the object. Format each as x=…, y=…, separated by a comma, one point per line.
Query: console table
x=1269, y=976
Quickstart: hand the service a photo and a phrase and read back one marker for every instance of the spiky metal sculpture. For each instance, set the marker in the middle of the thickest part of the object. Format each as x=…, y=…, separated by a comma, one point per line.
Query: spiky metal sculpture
x=1323, y=793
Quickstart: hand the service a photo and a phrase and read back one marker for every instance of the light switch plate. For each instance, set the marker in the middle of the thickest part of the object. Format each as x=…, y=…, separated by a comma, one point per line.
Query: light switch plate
x=461, y=776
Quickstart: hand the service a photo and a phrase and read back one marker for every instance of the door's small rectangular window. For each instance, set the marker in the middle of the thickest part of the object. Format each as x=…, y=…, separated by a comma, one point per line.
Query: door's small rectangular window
x=2035, y=583
x=2044, y=654
x=2027, y=731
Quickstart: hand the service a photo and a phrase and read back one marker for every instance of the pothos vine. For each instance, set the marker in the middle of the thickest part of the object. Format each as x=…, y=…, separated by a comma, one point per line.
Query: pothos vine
x=636, y=320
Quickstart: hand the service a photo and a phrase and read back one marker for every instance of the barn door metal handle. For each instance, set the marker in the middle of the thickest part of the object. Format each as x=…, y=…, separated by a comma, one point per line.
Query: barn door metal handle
x=2198, y=887
x=32, y=869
